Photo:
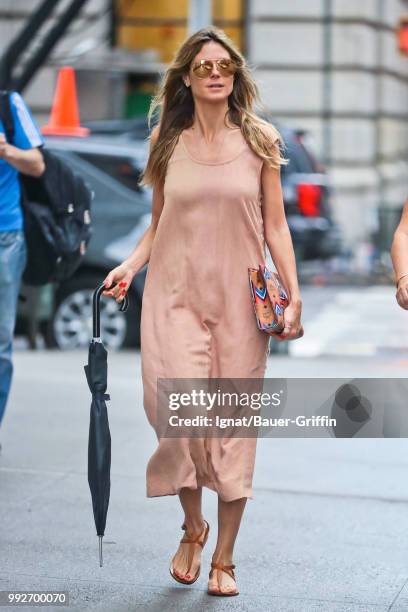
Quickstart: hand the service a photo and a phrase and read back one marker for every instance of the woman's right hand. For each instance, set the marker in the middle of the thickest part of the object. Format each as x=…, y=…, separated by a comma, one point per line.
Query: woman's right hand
x=118, y=281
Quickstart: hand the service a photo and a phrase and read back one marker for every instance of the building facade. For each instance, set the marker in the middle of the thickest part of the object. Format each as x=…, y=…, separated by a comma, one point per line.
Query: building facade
x=333, y=67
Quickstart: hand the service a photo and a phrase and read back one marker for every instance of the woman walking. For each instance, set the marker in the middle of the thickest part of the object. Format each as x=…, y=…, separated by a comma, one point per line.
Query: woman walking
x=214, y=166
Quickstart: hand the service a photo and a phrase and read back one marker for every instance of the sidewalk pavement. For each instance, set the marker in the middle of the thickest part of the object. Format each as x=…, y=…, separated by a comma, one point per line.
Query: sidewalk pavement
x=325, y=532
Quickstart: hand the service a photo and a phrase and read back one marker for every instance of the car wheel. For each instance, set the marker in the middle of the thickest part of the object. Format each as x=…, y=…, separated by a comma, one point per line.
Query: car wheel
x=70, y=327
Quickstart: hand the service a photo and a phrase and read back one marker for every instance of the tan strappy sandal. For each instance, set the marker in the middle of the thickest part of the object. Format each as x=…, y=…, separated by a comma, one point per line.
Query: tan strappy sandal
x=199, y=539
x=228, y=569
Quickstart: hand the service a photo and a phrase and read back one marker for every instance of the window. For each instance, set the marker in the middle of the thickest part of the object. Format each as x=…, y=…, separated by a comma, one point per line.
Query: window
x=123, y=169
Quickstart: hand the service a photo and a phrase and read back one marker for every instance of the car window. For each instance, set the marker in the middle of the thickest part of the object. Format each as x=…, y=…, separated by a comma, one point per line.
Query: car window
x=106, y=189
x=299, y=160
x=122, y=169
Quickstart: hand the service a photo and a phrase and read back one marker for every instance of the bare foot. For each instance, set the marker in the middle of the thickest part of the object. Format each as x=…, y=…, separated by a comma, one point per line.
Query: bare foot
x=220, y=581
x=187, y=559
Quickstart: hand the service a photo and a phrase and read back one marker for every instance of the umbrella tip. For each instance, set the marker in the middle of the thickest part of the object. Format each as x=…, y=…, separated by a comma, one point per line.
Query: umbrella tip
x=100, y=551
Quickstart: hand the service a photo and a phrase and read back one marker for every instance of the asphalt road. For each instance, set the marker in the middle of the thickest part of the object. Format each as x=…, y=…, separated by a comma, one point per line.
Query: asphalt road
x=353, y=321
x=326, y=530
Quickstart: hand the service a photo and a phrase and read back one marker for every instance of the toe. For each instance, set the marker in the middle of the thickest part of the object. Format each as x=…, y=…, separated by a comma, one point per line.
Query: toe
x=213, y=585
x=176, y=569
x=227, y=584
x=181, y=573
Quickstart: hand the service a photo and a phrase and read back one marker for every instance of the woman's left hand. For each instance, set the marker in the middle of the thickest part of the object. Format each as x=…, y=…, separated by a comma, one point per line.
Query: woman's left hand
x=293, y=328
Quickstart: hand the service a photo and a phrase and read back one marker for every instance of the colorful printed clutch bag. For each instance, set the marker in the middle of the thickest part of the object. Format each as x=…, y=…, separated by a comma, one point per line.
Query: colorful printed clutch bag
x=269, y=299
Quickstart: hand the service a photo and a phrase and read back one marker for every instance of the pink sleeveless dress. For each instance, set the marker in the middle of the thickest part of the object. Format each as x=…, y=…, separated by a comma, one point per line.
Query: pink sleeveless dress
x=197, y=318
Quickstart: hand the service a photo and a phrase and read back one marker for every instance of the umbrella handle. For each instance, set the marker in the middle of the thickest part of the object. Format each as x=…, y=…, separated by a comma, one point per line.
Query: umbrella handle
x=96, y=313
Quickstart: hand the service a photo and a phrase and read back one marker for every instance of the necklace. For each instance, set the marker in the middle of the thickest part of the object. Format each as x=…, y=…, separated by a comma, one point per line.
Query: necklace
x=227, y=131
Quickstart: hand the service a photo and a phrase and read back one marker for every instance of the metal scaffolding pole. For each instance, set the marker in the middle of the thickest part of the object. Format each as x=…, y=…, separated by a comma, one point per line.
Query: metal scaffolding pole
x=15, y=49
x=49, y=41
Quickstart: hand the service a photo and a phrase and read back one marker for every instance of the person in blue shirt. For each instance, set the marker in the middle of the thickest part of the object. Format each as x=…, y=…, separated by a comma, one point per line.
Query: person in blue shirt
x=22, y=155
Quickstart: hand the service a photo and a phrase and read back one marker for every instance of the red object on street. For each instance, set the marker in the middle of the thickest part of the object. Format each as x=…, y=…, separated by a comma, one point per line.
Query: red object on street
x=309, y=199
x=64, y=120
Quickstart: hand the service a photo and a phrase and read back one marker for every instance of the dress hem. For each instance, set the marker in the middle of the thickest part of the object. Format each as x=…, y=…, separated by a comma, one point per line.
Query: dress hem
x=248, y=495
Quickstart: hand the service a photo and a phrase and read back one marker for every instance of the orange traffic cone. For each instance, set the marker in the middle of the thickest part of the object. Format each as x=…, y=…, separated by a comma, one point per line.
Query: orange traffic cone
x=64, y=120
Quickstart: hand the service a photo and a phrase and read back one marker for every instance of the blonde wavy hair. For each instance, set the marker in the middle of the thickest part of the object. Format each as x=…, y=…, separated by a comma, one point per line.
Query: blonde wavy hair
x=176, y=104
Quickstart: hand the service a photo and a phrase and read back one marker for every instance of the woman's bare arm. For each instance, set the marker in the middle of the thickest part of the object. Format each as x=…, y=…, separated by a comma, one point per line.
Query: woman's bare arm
x=399, y=248
x=276, y=231
x=279, y=241
x=141, y=254
x=399, y=256
x=123, y=274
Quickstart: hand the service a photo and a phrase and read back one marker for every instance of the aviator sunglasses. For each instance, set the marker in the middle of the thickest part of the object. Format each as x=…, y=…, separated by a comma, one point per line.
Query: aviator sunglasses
x=203, y=68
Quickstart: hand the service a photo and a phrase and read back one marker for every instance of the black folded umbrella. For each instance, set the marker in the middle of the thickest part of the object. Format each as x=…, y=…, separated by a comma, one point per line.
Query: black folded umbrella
x=99, y=444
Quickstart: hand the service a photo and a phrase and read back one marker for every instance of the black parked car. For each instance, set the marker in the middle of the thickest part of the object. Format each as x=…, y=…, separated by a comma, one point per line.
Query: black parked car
x=121, y=212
